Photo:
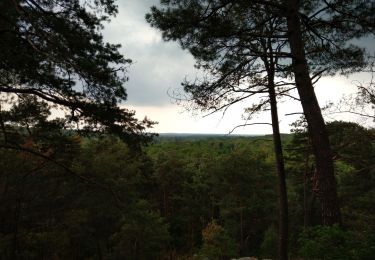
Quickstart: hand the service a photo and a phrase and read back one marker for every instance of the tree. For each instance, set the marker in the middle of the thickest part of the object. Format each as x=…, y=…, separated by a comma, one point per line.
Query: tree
x=32, y=186
x=46, y=213
x=353, y=153
x=362, y=103
x=142, y=235
x=318, y=43
x=217, y=243
x=244, y=191
x=239, y=68
x=230, y=180
x=54, y=51
x=300, y=160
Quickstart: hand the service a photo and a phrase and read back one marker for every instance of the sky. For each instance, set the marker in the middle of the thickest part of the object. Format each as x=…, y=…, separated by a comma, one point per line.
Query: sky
x=159, y=67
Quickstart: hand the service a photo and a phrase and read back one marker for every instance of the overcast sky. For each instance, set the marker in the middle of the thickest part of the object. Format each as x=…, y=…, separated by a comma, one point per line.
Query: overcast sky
x=159, y=67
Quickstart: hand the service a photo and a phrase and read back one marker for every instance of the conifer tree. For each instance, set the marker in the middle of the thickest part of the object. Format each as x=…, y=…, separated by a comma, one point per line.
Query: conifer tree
x=318, y=36
x=54, y=50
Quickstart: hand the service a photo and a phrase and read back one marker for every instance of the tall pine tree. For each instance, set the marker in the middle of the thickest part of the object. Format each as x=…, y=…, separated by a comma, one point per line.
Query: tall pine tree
x=54, y=50
x=319, y=36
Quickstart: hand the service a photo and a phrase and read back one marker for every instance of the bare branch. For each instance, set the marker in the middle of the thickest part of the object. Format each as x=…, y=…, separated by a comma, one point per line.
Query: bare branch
x=296, y=113
x=248, y=124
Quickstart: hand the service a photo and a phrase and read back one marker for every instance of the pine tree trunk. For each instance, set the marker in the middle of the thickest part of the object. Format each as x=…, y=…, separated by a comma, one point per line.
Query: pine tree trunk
x=283, y=199
x=325, y=183
x=270, y=65
x=308, y=196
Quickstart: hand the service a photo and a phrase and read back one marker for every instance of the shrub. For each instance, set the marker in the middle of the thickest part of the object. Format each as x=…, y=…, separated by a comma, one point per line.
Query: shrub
x=327, y=242
x=217, y=244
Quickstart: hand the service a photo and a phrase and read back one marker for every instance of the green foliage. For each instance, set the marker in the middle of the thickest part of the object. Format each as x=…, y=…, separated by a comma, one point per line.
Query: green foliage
x=49, y=212
x=353, y=148
x=217, y=244
x=97, y=197
x=327, y=242
x=365, y=246
x=269, y=245
x=143, y=234
x=219, y=179
x=351, y=143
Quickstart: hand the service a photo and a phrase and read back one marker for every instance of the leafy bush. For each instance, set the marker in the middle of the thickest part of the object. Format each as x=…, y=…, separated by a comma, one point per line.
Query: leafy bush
x=143, y=235
x=217, y=244
x=327, y=242
x=269, y=244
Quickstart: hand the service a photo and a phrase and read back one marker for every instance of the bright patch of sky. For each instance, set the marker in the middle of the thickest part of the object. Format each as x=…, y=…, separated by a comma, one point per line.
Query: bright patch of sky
x=159, y=68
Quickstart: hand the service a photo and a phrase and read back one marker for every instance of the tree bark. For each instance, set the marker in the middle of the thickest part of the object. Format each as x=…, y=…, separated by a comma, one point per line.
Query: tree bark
x=270, y=65
x=308, y=196
x=324, y=185
x=283, y=199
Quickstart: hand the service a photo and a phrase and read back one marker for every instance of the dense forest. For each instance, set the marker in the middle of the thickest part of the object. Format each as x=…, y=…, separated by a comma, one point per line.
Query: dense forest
x=181, y=197
x=81, y=177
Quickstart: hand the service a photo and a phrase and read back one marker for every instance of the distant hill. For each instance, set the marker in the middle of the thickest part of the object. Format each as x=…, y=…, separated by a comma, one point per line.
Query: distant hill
x=197, y=137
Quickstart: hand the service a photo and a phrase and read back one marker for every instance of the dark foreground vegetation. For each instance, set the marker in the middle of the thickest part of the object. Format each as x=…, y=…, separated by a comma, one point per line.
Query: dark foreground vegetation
x=181, y=198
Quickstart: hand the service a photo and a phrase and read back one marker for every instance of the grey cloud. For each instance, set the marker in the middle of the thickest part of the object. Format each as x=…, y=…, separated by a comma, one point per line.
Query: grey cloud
x=156, y=71
x=158, y=66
